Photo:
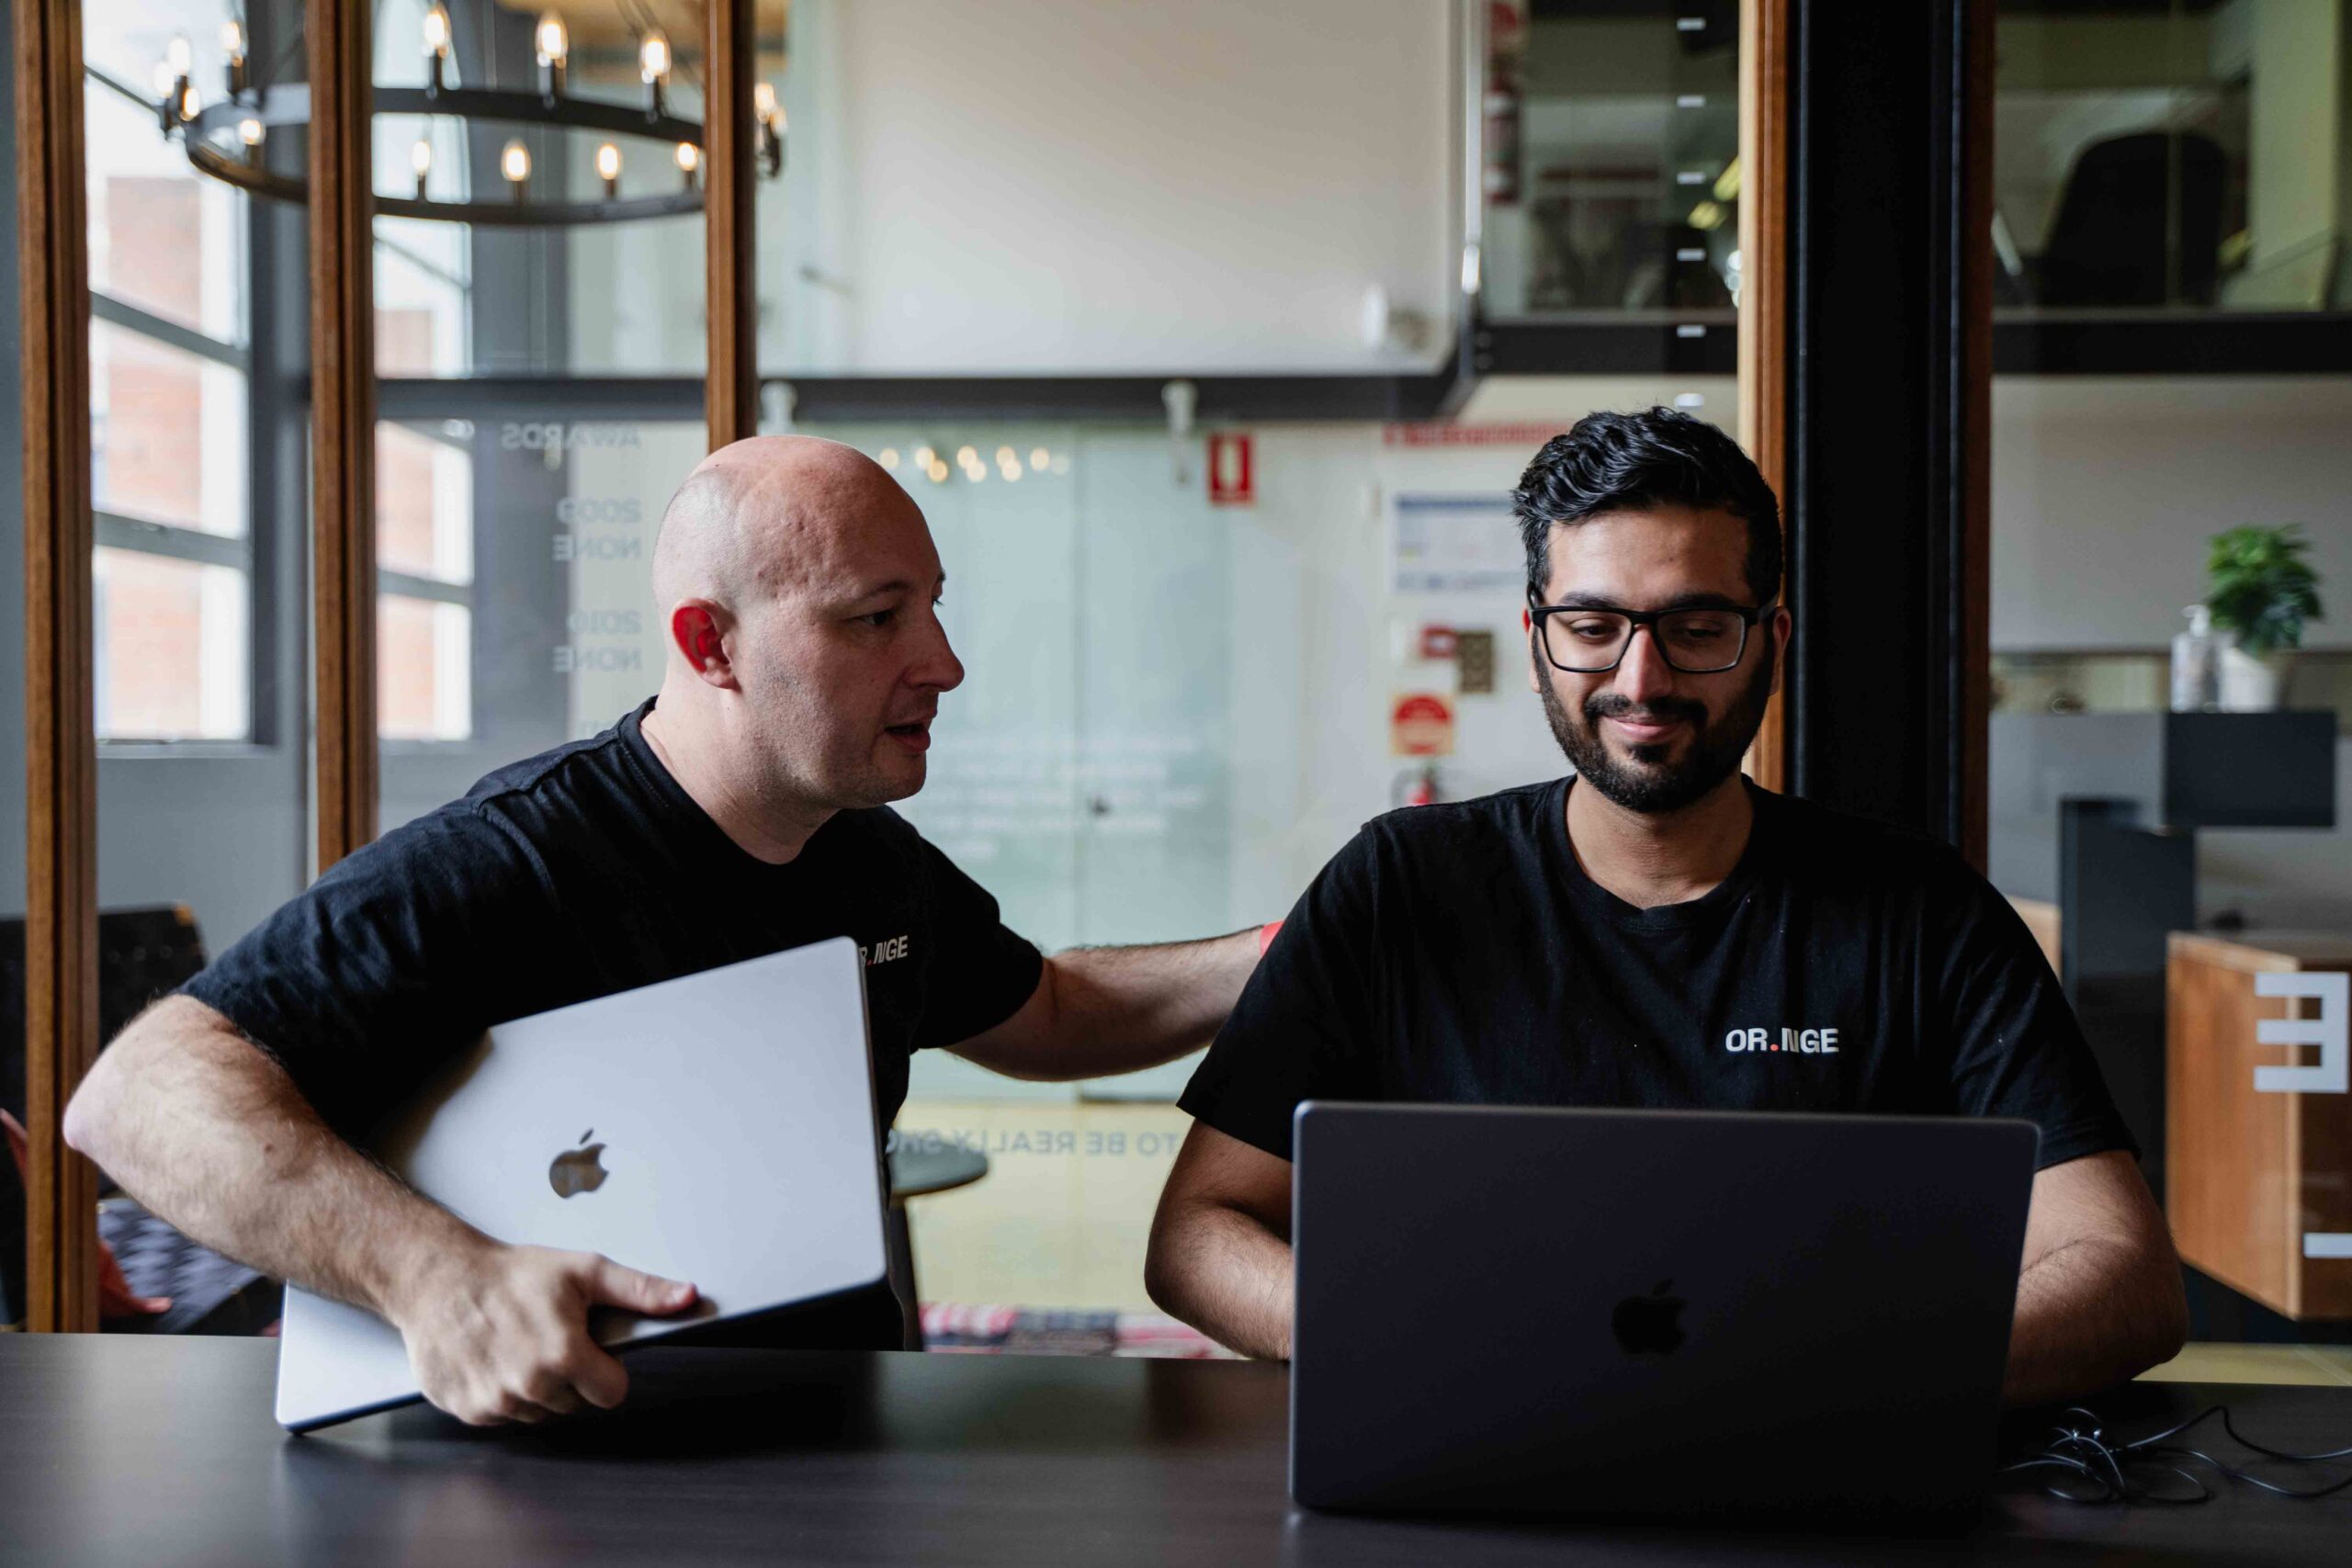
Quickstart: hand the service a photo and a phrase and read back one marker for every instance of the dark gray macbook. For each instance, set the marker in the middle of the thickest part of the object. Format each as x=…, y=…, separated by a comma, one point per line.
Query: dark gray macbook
x=1653, y=1312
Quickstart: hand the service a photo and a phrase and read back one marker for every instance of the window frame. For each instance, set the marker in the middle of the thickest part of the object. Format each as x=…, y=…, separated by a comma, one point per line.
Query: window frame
x=178, y=542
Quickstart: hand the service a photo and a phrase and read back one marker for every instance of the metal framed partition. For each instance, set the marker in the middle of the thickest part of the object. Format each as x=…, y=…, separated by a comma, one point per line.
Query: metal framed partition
x=1888, y=366
x=61, y=745
x=1864, y=351
x=61, y=749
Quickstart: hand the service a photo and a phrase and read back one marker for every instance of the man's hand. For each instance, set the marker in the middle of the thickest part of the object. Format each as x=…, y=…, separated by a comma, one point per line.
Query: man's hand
x=498, y=1332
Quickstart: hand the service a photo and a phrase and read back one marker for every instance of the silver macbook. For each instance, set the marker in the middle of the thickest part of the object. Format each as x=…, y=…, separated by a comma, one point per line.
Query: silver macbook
x=1657, y=1312
x=717, y=1128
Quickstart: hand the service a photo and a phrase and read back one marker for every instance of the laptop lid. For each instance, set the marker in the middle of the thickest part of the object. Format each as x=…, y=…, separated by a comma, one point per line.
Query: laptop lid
x=1503, y=1309
x=718, y=1127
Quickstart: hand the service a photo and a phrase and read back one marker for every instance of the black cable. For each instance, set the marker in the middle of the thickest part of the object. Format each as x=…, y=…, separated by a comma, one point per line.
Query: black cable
x=2088, y=1457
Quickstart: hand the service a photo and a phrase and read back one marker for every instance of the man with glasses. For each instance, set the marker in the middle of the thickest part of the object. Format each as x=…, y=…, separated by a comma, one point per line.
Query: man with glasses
x=1659, y=932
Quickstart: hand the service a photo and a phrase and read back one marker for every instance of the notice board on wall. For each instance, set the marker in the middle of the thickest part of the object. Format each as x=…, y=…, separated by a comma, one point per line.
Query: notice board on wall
x=1452, y=543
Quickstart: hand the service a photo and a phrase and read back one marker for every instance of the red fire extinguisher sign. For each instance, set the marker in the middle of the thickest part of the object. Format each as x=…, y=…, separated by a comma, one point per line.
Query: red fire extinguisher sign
x=1231, y=481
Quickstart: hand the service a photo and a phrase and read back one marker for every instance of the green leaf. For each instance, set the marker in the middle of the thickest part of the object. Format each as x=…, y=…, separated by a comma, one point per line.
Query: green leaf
x=2261, y=587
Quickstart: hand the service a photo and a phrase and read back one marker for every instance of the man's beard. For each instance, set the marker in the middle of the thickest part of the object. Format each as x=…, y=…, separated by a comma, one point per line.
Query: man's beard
x=1713, y=754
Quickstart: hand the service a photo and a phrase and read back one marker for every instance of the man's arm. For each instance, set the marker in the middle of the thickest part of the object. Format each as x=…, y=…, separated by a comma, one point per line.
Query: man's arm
x=1220, y=1254
x=1101, y=1010
x=2100, y=1297
x=211, y=1135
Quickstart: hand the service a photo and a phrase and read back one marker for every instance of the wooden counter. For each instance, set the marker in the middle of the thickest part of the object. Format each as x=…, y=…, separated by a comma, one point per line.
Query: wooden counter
x=2251, y=1172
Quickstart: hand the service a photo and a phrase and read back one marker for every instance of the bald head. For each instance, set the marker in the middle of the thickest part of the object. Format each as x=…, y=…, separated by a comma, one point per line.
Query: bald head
x=760, y=515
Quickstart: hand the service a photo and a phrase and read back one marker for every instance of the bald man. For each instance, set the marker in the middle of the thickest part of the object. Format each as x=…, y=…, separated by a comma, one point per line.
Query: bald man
x=740, y=811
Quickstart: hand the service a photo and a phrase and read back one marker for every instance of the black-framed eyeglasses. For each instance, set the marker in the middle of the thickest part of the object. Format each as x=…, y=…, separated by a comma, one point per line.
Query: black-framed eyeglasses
x=1590, y=640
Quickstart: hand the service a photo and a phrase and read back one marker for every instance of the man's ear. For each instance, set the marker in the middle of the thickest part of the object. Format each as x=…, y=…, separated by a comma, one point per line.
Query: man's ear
x=698, y=629
x=1534, y=673
x=1782, y=623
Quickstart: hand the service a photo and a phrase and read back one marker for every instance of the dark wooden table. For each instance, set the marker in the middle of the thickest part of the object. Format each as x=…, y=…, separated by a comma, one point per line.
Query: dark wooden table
x=139, y=1451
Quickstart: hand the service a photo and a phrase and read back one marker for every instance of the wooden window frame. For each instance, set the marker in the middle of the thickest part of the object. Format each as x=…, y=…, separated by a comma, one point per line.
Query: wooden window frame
x=60, y=746
x=1764, y=299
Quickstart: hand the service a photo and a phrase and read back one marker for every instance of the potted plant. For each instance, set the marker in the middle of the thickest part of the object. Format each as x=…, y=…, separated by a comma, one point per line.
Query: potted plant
x=2261, y=592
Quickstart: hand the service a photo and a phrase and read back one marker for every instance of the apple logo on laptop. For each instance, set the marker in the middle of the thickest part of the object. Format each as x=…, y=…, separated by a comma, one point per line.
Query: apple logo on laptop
x=580, y=1169
x=1649, y=1323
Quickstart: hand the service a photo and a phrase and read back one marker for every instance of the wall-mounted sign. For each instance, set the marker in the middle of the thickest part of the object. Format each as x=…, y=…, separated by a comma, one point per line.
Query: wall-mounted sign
x=1420, y=724
x=1456, y=543
x=1231, y=480
x=1441, y=432
x=1473, y=657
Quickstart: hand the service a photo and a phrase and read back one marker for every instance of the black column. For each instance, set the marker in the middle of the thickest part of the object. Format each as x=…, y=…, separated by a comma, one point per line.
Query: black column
x=1881, y=343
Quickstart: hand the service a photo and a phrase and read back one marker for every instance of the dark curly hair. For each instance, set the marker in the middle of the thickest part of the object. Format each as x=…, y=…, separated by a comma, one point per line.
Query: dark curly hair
x=1632, y=462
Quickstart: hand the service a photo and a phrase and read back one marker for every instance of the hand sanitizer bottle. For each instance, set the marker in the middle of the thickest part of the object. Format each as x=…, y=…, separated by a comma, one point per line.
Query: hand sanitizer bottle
x=2196, y=683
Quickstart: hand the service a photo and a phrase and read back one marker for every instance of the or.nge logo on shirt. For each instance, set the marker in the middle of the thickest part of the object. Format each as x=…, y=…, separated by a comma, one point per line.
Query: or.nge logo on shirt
x=882, y=952
x=1802, y=1042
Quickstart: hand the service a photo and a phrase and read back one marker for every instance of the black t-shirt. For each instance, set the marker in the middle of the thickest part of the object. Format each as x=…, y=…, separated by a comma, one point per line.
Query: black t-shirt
x=1459, y=952
x=582, y=871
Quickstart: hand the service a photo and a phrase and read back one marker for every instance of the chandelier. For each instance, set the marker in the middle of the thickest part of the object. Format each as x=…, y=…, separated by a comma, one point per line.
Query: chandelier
x=225, y=139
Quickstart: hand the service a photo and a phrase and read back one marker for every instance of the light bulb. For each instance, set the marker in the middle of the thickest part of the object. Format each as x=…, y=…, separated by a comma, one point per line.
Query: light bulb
x=1004, y=455
x=553, y=39
x=653, y=57
x=778, y=118
x=514, y=163
x=249, y=131
x=762, y=102
x=232, y=44
x=968, y=457
x=689, y=156
x=925, y=456
x=163, y=80
x=436, y=29
x=176, y=54
x=420, y=157
x=190, y=105
x=608, y=161
x=888, y=458
x=1038, y=458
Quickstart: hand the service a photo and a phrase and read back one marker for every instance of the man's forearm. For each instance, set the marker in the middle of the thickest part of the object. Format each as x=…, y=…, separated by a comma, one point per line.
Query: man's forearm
x=1119, y=1008
x=1226, y=1274
x=2090, y=1315
x=212, y=1136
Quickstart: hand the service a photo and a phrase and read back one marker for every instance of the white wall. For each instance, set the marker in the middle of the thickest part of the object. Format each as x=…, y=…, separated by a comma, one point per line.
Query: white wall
x=2105, y=489
x=1077, y=186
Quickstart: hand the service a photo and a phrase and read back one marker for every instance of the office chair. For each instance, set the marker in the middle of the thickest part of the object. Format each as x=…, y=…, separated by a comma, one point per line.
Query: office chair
x=2117, y=220
x=143, y=953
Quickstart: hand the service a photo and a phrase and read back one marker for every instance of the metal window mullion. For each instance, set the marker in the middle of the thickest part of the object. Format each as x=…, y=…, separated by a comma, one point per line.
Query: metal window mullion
x=116, y=532
x=405, y=585
x=188, y=340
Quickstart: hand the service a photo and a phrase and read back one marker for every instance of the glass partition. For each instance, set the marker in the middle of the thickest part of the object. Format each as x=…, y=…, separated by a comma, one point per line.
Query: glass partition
x=200, y=607
x=2171, y=154
x=594, y=295
x=2182, y=160
x=1612, y=160
x=1174, y=712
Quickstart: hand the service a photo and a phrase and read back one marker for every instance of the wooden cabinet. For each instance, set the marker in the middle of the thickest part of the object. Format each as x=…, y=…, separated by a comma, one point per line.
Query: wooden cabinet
x=2250, y=1172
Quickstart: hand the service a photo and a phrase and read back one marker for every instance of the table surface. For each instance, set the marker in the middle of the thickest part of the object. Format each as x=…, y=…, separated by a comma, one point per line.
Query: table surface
x=132, y=1450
